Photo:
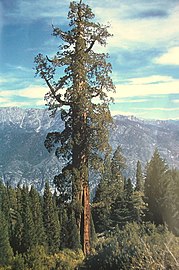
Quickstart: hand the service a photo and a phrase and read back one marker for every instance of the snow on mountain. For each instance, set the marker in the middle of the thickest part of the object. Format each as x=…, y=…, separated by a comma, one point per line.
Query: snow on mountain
x=30, y=119
x=139, y=138
x=24, y=159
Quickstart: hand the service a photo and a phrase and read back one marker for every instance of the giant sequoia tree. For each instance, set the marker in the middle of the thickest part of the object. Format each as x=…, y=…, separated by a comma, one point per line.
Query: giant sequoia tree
x=81, y=94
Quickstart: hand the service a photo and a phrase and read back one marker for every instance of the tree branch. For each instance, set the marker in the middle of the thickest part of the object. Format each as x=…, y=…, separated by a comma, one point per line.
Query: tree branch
x=50, y=60
x=66, y=77
x=97, y=94
x=57, y=97
x=90, y=47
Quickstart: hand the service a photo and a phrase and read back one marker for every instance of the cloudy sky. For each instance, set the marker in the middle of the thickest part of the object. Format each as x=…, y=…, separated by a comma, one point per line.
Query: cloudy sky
x=144, y=52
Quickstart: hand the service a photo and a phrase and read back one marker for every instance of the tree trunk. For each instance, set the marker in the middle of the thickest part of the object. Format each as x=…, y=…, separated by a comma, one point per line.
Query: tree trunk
x=86, y=220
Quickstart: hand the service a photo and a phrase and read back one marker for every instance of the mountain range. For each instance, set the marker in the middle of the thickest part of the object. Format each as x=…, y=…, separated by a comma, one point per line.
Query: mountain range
x=24, y=159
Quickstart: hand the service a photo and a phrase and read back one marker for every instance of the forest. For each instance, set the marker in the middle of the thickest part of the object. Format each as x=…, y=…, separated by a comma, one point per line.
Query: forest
x=127, y=224
x=132, y=226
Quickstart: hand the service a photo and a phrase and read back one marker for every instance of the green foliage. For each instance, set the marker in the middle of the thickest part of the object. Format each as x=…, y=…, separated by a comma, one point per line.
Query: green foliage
x=68, y=259
x=172, y=215
x=37, y=216
x=161, y=193
x=137, y=247
x=5, y=248
x=73, y=233
x=121, y=244
x=139, y=178
x=93, y=235
x=64, y=228
x=125, y=207
x=101, y=207
x=19, y=263
x=154, y=184
x=109, y=189
x=28, y=228
x=118, y=163
x=36, y=258
x=51, y=220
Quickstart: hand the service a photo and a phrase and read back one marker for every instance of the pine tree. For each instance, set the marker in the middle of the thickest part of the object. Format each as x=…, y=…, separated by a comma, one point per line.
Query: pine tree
x=175, y=201
x=169, y=201
x=51, y=220
x=123, y=209
x=86, y=118
x=73, y=236
x=28, y=228
x=103, y=199
x=16, y=239
x=139, y=178
x=37, y=215
x=5, y=205
x=64, y=228
x=6, y=253
x=156, y=174
x=118, y=164
x=1, y=193
x=17, y=236
x=110, y=187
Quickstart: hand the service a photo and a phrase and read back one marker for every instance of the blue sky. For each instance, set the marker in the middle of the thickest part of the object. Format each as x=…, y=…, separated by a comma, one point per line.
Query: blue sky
x=144, y=52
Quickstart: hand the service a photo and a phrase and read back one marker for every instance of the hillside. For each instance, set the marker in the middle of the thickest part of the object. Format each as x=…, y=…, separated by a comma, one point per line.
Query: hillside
x=24, y=159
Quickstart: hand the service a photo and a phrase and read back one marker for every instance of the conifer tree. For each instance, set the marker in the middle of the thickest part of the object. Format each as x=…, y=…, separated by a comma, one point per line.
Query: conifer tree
x=17, y=235
x=64, y=228
x=123, y=210
x=28, y=228
x=6, y=253
x=73, y=236
x=86, y=115
x=174, y=201
x=118, y=164
x=5, y=205
x=156, y=174
x=139, y=178
x=51, y=220
x=110, y=187
x=1, y=193
x=102, y=199
x=37, y=215
x=16, y=239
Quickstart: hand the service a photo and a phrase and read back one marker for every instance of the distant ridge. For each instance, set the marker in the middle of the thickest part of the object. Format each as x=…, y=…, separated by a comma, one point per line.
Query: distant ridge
x=24, y=159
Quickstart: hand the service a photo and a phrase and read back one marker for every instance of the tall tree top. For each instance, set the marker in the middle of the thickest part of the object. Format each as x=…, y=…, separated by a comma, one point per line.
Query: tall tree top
x=77, y=59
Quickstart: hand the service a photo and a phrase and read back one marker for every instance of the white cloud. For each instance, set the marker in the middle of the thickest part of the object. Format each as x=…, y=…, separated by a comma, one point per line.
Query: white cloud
x=169, y=58
x=33, y=91
x=3, y=100
x=3, y=80
x=128, y=28
x=40, y=103
x=151, y=79
x=15, y=104
x=163, y=109
x=132, y=100
x=29, y=92
x=116, y=112
x=165, y=85
x=138, y=87
x=133, y=31
x=18, y=68
x=176, y=101
x=35, y=94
